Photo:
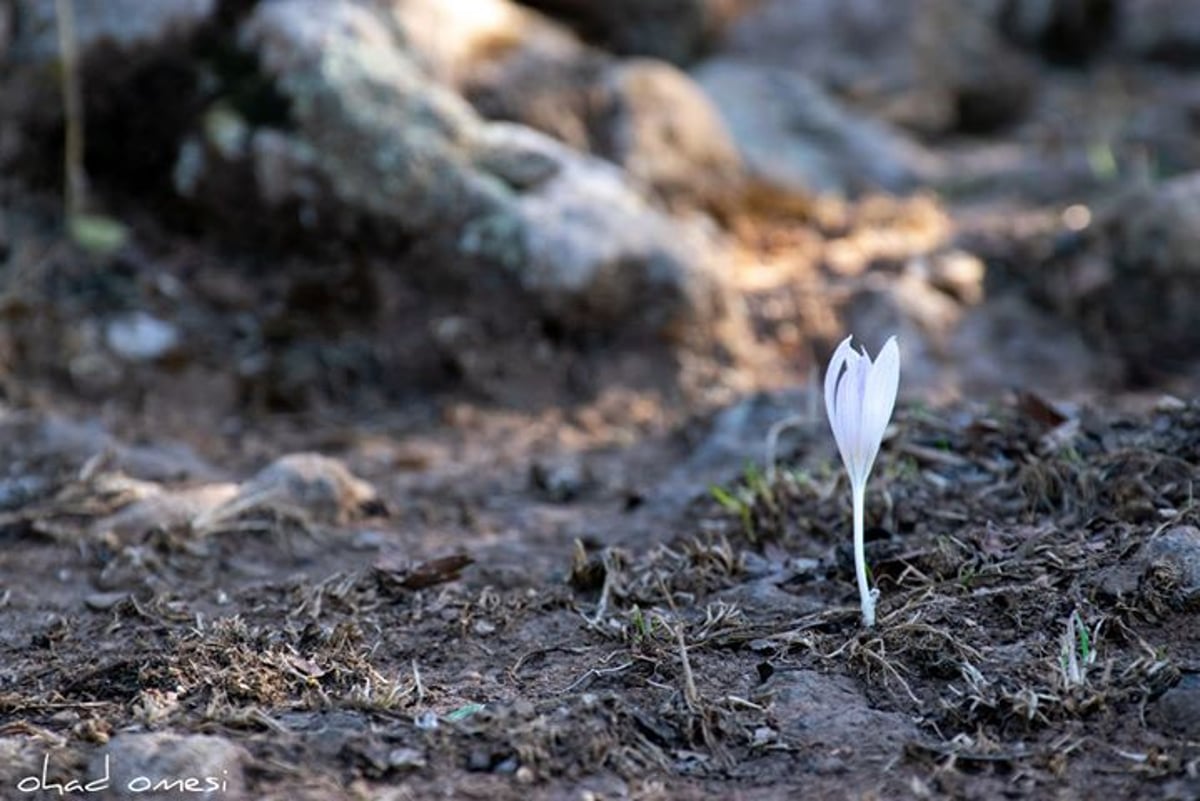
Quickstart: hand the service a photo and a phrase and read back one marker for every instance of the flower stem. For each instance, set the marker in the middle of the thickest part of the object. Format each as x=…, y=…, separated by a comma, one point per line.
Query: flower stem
x=860, y=558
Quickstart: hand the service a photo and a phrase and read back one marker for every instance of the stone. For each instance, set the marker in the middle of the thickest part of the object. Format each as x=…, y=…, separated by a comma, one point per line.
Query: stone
x=127, y=24
x=1170, y=567
x=360, y=130
x=858, y=47
x=793, y=135
x=141, y=337
x=161, y=766
x=1177, y=711
x=165, y=510
x=309, y=486
x=666, y=133
x=369, y=124
x=644, y=114
x=375, y=139
x=69, y=444
x=1141, y=261
x=1160, y=29
x=593, y=250
x=976, y=78
x=561, y=480
x=1063, y=31
x=672, y=30
x=828, y=714
x=543, y=77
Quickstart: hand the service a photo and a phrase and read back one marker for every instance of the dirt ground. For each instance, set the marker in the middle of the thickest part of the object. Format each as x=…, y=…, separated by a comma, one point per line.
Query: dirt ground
x=533, y=566
x=605, y=599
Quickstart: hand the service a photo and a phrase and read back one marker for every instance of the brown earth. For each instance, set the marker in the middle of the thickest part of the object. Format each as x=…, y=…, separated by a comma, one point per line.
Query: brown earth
x=601, y=597
x=555, y=565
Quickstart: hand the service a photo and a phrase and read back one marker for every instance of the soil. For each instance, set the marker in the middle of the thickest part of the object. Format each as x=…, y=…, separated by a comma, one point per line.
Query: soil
x=574, y=574
x=601, y=604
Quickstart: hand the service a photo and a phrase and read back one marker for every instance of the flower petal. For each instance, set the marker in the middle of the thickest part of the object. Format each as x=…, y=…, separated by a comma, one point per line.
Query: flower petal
x=882, y=384
x=850, y=411
x=836, y=362
x=832, y=377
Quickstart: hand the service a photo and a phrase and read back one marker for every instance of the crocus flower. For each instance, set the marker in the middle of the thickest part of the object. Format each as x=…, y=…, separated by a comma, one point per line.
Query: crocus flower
x=859, y=398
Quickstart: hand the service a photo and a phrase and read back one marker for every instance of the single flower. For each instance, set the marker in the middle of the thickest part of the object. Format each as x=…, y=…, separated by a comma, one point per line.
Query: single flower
x=859, y=398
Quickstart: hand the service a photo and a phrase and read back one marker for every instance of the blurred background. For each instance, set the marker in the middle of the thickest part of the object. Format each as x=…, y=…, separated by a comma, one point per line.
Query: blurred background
x=211, y=208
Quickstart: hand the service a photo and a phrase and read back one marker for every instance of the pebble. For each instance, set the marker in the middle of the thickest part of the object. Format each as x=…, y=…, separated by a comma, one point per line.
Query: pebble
x=1177, y=712
x=166, y=767
x=140, y=337
x=103, y=601
x=1172, y=561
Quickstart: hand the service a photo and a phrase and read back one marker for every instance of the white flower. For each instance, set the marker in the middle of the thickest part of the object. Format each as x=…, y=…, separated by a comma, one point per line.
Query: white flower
x=859, y=398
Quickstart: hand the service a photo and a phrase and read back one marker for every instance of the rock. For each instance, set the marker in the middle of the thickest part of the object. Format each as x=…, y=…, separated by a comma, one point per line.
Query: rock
x=1177, y=711
x=1170, y=568
x=791, y=134
x=1160, y=29
x=20, y=490
x=69, y=445
x=543, y=76
x=357, y=130
x=957, y=273
x=666, y=133
x=375, y=140
x=643, y=114
x=923, y=319
x=941, y=335
x=1139, y=261
x=456, y=40
x=22, y=756
x=736, y=436
x=369, y=125
x=1064, y=31
x=141, y=337
x=560, y=480
x=974, y=78
x=104, y=601
x=594, y=251
x=167, y=510
x=765, y=596
x=856, y=48
x=673, y=30
x=308, y=486
x=163, y=766
x=827, y=713
x=127, y=24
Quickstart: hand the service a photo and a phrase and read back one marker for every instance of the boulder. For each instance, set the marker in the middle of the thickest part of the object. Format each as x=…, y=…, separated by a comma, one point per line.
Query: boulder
x=972, y=76
x=127, y=25
x=160, y=765
x=1164, y=30
x=792, y=134
x=591, y=247
x=395, y=147
x=666, y=132
x=673, y=30
x=115, y=41
x=859, y=48
x=829, y=717
x=355, y=130
x=1139, y=261
x=1064, y=31
x=644, y=114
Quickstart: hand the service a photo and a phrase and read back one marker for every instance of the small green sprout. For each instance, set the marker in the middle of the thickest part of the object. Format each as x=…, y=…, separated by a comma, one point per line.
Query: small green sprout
x=1076, y=651
x=463, y=712
x=641, y=626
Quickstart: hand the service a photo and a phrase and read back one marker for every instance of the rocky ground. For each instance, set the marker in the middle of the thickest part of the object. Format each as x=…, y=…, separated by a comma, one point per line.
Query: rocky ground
x=387, y=397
